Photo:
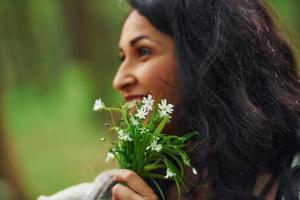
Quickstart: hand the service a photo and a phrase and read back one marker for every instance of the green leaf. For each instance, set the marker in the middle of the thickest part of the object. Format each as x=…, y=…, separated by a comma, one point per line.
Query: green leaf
x=159, y=189
x=153, y=167
x=161, y=126
x=153, y=175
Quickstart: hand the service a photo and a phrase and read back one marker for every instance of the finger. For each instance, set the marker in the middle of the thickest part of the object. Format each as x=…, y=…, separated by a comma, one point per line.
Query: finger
x=121, y=192
x=134, y=182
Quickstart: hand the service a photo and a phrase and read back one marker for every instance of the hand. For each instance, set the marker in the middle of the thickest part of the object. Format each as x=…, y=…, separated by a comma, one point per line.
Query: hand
x=135, y=189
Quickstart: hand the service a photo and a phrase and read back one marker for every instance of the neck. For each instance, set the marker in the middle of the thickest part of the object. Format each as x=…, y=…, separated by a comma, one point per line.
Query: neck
x=261, y=181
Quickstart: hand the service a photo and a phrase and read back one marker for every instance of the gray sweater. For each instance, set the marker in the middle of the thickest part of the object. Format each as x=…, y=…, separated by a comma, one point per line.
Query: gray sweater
x=99, y=189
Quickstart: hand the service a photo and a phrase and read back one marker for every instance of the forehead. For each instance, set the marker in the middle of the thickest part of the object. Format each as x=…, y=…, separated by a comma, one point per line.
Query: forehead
x=136, y=25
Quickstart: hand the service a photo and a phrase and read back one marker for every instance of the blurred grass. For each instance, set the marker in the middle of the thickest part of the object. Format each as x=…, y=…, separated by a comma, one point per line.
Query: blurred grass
x=56, y=139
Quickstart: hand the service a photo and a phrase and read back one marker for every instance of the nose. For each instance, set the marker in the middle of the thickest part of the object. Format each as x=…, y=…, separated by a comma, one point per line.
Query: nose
x=123, y=79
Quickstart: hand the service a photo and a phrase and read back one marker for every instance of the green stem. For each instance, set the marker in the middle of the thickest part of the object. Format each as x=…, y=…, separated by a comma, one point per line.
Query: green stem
x=153, y=167
x=113, y=109
x=152, y=175
x=161, y=126
x=112, y=118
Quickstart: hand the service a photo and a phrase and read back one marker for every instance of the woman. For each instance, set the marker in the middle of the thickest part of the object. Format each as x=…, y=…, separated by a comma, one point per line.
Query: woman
x=233, y=78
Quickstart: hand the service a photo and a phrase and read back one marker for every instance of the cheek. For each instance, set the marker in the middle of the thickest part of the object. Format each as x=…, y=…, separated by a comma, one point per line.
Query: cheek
x=162, y=67
x=159, y=78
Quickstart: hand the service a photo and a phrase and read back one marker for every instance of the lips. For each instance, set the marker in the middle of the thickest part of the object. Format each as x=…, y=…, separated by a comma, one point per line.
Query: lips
x=133, y=97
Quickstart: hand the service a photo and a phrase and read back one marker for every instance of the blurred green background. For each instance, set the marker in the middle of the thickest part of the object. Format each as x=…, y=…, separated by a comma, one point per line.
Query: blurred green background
x=56, y=58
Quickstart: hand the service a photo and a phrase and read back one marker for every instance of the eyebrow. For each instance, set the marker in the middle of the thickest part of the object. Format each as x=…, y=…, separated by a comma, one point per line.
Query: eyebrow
x=141, y=37
x=138, y=38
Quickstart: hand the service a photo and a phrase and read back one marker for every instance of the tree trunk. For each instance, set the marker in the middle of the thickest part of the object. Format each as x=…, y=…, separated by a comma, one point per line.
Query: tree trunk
x=8, y=170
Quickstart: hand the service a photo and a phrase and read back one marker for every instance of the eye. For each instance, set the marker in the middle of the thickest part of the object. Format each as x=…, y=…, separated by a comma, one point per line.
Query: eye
x=121, y=57
x=143, y=51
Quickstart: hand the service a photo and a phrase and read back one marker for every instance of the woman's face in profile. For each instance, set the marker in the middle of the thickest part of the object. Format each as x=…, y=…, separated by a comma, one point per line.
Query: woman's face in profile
x=148, y=61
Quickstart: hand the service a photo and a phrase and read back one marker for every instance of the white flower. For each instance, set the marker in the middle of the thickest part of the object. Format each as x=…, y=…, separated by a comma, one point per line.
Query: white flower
x=134, y=121
x=110, y=156
x=98, y=105
x=169, y=174
x=124, y=136
x=148, y=102
x=154, y=146
x=194, y=171
x=144, y=130
x=142, y=113
x=165, y=109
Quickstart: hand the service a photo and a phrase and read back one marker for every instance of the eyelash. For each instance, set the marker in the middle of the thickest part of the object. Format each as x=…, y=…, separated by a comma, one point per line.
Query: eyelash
x=142, y=51
x=121, y=58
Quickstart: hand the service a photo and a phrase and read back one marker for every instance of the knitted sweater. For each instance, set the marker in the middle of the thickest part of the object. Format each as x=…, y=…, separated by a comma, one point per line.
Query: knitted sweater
x=99, y=189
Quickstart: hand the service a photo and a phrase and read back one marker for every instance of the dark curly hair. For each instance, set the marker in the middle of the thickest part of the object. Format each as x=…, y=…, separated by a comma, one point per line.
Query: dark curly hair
x=239, y=88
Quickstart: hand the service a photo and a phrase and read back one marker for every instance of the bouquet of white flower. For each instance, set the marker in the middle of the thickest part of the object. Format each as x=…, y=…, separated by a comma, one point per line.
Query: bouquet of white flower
x=142, y=147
